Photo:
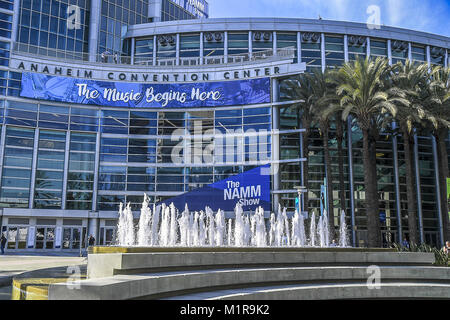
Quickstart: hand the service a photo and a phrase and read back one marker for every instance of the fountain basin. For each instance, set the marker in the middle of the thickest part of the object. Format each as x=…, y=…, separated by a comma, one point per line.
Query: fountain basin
x=155, y=273
x=135, y=260
x=137, y=249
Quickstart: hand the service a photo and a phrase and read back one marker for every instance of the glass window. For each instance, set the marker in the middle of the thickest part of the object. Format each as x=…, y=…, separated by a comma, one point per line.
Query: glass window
x=17, y=162
x=238, y=43
x=311, y=50
x=50, y=168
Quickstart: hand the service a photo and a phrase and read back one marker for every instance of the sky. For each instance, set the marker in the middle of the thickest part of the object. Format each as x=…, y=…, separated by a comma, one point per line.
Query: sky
x=422, y=15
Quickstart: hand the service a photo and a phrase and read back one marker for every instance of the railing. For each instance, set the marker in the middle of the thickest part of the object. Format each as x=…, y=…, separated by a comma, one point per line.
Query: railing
x=116, y=59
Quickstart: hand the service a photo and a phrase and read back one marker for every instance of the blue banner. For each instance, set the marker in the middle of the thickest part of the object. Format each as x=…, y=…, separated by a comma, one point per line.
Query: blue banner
x=251, y=189
x=144, y=95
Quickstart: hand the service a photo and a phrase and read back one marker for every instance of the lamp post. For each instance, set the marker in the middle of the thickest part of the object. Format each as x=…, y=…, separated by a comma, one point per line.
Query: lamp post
x=301, y=205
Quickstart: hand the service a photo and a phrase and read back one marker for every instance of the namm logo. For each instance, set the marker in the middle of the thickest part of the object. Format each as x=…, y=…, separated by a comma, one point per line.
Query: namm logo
x=247, y=196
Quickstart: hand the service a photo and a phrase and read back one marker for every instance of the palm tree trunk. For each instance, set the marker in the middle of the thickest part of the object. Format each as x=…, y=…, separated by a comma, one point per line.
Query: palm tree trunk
x=443, y=175
x=410, y=191
x=340, y=139
x=305, y=136
x=371, y=192
x=326, y=152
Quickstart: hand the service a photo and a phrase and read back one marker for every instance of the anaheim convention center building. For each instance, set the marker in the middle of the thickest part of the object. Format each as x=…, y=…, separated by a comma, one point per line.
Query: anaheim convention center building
x=103, y=101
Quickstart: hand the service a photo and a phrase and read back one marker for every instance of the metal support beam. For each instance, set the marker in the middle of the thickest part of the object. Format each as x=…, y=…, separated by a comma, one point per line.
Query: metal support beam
x=96, y=168
x=397, y=185
x=438, y=190
x=33, y=168
x=66, y=170
x=350, y=173
x=418, y=191
x=275, y=144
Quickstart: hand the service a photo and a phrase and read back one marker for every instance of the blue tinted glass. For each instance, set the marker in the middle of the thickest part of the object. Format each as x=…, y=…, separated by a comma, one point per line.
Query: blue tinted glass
x=116, y=130
x=84, y=120
x=113, y=149
x=256, y=111
x=228, y=113
x=22, y=105
x=83, y=137
x=114, y=114
x=19, y=122
x=53, y=125
x=53, y=109
x=140, y=187
x=114, y=142
x=83, y=128
x=115, y=170
x=113, y=158
x=84, y=112
x=257, y=119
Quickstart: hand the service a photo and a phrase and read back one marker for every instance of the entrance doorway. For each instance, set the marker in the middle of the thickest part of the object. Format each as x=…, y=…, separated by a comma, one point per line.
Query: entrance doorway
x=17, y=237
x=45, y=237
x=71, y=238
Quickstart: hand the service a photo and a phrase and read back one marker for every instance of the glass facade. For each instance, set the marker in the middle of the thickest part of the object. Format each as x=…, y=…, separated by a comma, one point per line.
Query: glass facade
x=116, y=16
x=72, y=158
x=182, y=10
x=48, y=24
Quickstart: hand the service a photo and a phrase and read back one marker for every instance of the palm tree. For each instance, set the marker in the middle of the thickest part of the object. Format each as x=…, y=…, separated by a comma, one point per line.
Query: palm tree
x=438, y=115
x=410, y=78
x=362, y=93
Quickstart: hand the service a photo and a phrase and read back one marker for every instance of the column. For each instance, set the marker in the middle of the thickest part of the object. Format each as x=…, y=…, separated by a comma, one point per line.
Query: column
x=33, y=168
x=409, y=51
x=94, y=27
x=275, y=145
x=389, y=49
x=96, y=168
x=93, y=227
x=274, y=46
x=346, y=48
x=66, y=171
x=350, y=173
x=2, y=150
x=15, y=24
x=225, y=47
x=201, y=47
x=133, y=46
x=418, y=191
x=250, y=44
x=397, y=185
x=322, y=50
x=155, y=49
x=438, y=193
x=177, y=57
x=299, y=46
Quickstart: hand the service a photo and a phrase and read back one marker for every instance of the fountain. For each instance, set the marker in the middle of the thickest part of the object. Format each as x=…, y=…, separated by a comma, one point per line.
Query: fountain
x=165, y=226
x=343, y=236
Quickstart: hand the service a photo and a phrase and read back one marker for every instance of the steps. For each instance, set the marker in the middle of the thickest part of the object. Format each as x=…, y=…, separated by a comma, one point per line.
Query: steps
x=276, y=274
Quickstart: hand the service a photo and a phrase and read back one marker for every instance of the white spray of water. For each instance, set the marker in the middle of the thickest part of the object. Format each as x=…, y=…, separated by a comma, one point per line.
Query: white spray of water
x=343, y=236
x=145, y=224
x=164, y=226
x=312, y=230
